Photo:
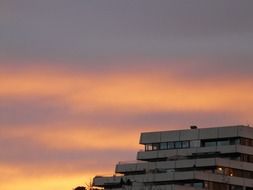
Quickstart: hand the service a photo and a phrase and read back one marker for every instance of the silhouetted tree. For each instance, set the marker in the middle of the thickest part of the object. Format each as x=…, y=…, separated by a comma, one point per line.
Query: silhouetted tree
x=80, y=188
x=88, y=186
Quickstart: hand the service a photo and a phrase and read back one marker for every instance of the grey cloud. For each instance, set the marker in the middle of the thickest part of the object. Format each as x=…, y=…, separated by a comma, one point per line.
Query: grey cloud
x=23, y=152
x=23, y=111
x=195, y=39
x=48, y=113
x=81, y=29
x=162, y=120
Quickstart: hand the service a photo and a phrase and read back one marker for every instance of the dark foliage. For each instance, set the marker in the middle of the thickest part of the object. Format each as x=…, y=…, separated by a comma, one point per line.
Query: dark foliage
x=80, y=188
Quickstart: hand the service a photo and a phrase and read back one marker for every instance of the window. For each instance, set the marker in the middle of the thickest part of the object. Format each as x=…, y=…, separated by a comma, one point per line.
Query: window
x=195, y=143
x=156, y=146
x=178, y=144
x=247, y=174
x=235, y=187
x=242, y=141
x=185, y=144
x=223, y=142
x=246, y=142
x=198, y=185
x=164, y=146
x=244, y=157
x=219, y=170
x=209, y=143
x=251, y=158
x=234, y=141
x=148, y=147
x=171, y=145
x=251, y=142
x=247, y=158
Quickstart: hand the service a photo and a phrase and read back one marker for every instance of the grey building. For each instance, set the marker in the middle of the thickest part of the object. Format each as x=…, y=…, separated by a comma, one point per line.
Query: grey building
x=218, y=158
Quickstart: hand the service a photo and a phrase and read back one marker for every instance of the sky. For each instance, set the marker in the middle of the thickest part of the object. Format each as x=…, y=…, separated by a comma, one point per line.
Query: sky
x=80, y=80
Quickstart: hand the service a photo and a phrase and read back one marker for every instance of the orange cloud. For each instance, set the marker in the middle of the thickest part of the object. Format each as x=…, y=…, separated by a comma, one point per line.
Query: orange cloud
x=129, y=92
x=90, y=93
x=77, y=137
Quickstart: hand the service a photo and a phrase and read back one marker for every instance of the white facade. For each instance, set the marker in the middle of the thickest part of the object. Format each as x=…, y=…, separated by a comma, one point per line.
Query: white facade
x=218, y=158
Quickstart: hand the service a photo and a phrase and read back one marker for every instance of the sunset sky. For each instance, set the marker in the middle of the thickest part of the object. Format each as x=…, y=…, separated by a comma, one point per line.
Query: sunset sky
x=79, y=81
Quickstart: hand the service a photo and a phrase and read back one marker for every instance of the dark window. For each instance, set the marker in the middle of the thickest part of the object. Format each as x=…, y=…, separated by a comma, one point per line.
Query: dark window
x=195, y=143
x=247, y=174
x=171, y=145
x=251, y=158
x=185, y=144
x=246, y=142
x=234, y=141
x=164, y=146
x=198, y=185
x=235, y=187
x=178, y=144
x=223, y=142
x=209, y=143
x=246, y=158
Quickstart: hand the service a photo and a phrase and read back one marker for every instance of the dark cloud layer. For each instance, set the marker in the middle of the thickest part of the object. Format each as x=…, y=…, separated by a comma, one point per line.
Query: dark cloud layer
x=16, y=111
x=81, y=29
x=24, y=151
x=192, y=39
x=46, y=112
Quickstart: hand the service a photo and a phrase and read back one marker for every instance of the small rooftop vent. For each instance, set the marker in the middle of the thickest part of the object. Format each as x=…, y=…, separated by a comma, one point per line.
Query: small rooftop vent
x=193, y=127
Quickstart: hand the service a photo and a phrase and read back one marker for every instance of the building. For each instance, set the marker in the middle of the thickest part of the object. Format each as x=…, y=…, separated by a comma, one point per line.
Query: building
x=218, y=158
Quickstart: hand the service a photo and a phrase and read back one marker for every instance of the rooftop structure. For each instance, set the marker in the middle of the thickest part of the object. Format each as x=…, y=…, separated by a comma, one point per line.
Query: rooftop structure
x=219, y=158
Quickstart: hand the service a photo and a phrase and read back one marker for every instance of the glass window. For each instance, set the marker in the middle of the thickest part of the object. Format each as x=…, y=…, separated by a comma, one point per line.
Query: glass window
x=242, y=141
x=164, y=146
x=178, y=144
x=234, y=141
x=246, y=142
x=251, y=158
x=198, y=185
x=244, y=157
x=148, y=147
x=219, y=170
x=209, y=143
x=195, y=143
x=171, y=145
x=235, y=187
x=156, y=146
x=223, y=142
x=185, y=144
